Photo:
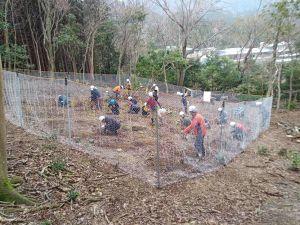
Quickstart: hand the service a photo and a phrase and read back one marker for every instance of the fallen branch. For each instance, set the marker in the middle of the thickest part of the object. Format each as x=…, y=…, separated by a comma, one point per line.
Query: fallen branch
x=276, y=194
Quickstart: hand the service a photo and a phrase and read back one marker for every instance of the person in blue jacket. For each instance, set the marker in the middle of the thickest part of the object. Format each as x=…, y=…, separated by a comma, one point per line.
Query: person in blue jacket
x=95, y=98
x=63, y=101
x=114, y=106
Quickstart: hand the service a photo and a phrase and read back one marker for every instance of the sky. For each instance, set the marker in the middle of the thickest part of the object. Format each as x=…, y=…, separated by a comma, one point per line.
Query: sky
x=243, y=6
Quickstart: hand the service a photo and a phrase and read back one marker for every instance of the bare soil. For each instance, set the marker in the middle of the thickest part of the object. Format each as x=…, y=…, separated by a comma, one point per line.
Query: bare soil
x=252, y=189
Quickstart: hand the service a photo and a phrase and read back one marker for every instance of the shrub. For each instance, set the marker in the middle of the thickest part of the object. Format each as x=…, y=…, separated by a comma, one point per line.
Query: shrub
x=72, y=195
x=291, y=106
x=46, y=222
x=295, y=161
x=58, y=165
x=262, y=150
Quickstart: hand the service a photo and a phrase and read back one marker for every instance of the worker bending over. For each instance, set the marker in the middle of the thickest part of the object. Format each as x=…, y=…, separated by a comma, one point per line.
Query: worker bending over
x=145, y=110
x=184, y=121
x=114, y=106
x=199, y=130
x=96, y=99
x=117, y=90
x=110, y=125
x=63, y=101
x=238, y=131
x=134, y=107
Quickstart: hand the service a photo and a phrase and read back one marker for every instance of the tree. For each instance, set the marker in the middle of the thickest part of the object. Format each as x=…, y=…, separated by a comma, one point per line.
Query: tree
x=188, y=16
x=7, y=192
x=51, y=13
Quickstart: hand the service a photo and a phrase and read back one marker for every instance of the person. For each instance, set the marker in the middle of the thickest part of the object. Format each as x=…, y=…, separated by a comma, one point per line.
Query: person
x=96, y=99
x=128, y=87
x=199, y=129
x=134, y=108
x=222, y=119
x=184, y=121
x=152, y=106
x=145, y=110
x=184, y=101
x=110, y=125
x=238, y=131
x=114, y=106
x=63, y=101
x=155, y=92
x=117, y=90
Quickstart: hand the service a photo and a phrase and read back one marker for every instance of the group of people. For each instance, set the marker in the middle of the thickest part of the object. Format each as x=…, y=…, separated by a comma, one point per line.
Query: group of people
x=197, y=125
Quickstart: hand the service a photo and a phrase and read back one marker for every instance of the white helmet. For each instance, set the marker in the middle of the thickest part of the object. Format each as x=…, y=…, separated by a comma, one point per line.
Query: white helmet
x=193, y=108
x=156, y=88
x=129, y=98
x=232, y=124
x=127, y=80
x=145, y=104
x=101, y=118
x=181, y=113
x=122, y=87
x=92, y=87
x=178, y=93
x=59, y=96
x=258, y=103
x=106, y=91
x=220, y=109
x=150, y=94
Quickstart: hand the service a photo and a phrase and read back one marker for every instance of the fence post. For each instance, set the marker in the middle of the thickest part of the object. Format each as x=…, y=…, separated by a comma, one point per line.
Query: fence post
x=19, y=101
x=157, y=151
x=68, y=108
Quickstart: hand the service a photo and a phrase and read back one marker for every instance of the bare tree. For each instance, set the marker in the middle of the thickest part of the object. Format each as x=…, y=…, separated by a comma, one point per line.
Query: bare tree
x=188, y=15
x=51, y=14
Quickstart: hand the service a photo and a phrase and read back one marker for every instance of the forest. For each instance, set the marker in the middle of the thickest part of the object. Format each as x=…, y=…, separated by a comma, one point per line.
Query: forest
x=136, y=37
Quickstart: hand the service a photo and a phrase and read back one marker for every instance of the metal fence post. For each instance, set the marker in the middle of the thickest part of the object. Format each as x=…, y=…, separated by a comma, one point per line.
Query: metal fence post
x=68, y=108
x=19, y=101
x=157, y=151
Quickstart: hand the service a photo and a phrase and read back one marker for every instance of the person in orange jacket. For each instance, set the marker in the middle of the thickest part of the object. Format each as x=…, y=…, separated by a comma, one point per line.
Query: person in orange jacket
x=199, y=129
x=117, y=91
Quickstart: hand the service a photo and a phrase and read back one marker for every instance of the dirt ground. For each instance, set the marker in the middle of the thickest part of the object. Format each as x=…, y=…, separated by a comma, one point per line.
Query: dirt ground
x=252, y=189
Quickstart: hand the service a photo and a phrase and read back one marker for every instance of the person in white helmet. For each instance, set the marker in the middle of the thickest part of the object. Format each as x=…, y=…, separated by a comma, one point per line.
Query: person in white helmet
x=155, y=93
x=110, y=125
x=222, y=117
x=134, y=107
x=96, y=100
x=145, y=110
x=128, y=87
x=152, y=105
x=238, y=130
x=184, y=121
x=199, y=129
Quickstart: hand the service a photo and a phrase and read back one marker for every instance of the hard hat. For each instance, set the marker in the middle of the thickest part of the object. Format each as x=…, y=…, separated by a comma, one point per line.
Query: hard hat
x=232, y=124
x=101, y=118
x=220, y=109
x=145, y=104
x=106, y=91
x=150, y=94
x=92, y=87
x=192, y=108
x=59, y=96
x=129, y=98
x=258, y=103
x=178, y=93
x=156, y=88
x=127, y=80
x=181, y=113
x=112, y=101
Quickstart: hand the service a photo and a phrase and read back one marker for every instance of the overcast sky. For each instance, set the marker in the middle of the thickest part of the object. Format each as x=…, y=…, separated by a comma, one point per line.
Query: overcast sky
x=238, y=6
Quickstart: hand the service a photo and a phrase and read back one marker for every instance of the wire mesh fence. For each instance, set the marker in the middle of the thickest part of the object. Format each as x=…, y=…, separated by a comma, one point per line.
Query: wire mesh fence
x=153, y=150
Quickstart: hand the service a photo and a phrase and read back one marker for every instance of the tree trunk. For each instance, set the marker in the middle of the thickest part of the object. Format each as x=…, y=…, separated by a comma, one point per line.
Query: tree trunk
x=7, y=193
x=91, y=58
x=180, y=81
x=6, y=36
x=291, y=87
x=279, y=87
x=165, y=76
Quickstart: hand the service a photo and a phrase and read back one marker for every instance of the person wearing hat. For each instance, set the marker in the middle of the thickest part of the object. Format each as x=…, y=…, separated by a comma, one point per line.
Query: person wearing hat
x=134, y=108
x=63, y=101
x=117, y=90
x=199, y=129
x=110, y=125
x=96, y=99
x=152, y=105
x=155, y=92
x=114, y=106
x=183, y=100
x=145, y=110
x=238, y=130
x=128, y=87
x=184, y=121
x=222, y=117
